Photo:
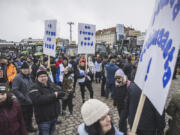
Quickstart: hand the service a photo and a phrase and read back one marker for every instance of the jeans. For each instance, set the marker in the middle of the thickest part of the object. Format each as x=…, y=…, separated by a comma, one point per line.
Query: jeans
x=48, y=127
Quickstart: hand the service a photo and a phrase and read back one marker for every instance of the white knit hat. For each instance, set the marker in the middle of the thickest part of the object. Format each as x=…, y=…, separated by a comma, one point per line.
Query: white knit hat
x=119, y=73
x=92, y=110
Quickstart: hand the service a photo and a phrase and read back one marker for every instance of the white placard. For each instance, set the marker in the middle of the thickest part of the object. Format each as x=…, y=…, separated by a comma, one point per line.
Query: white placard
x=119, y=31
x=159, y=53
x=86, y=38
x=49, y=47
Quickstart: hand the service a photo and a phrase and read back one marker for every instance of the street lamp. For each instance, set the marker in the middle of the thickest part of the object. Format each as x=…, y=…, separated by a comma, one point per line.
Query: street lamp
x=70, y=24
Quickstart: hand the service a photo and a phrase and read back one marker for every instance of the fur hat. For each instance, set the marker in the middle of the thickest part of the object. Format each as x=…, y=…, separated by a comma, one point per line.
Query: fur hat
x=93, y=110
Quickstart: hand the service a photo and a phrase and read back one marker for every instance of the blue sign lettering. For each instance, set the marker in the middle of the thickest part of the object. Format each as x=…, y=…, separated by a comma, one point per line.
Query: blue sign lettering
x=164, y=3
x=148, y=69
x=161, y=39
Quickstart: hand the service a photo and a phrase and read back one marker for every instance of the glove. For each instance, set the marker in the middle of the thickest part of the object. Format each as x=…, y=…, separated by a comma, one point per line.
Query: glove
x=60, y=95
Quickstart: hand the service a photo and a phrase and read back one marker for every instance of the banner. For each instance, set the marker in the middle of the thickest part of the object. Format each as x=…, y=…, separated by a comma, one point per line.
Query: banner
x=159, y=53
x=49, y=47
x=120, y=31
x=86, y=38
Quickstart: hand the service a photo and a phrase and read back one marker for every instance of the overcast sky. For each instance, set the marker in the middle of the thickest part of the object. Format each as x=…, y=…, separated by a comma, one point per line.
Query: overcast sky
x=25, y=18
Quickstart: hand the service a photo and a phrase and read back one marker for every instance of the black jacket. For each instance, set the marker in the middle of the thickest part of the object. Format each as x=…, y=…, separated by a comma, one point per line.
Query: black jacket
x=46, y=105
x=150, y=119
x=34, y=71
x=120, y=95
x=103, y=69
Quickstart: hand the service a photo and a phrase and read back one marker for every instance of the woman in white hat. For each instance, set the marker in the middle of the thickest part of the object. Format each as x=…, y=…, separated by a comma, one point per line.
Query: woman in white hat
x=97, y=120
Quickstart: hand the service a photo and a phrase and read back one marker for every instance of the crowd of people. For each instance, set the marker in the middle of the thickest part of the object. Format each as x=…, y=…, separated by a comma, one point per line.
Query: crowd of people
x=46, y=87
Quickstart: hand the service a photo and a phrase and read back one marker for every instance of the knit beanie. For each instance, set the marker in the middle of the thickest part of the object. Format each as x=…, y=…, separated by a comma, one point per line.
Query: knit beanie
x=24, y=65
x=93, y=110
x=41, y=71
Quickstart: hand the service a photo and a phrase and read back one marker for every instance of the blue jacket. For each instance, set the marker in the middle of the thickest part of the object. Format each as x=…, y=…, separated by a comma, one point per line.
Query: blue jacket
x=82, y=131
x=110, y=70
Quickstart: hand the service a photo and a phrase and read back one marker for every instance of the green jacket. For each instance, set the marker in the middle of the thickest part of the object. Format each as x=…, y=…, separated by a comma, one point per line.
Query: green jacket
x=174, y=111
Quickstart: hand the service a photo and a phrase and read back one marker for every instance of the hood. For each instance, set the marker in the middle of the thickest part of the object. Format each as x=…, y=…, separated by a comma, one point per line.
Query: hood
x=110, y=65
x=81, y=129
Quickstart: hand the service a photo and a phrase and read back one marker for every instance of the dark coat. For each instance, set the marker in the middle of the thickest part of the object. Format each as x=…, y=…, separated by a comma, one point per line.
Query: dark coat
x=120, y=95
x=11, y=119
x=34, y=71
x=103, y=68
x=46, y=105
x=150, y=119
x=20, y=88
x=128, y=70
x=174, y=111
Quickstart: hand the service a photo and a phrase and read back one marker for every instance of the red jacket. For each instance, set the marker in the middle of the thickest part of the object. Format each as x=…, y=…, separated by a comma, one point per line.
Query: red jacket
x=58, y=63
x=11, y=119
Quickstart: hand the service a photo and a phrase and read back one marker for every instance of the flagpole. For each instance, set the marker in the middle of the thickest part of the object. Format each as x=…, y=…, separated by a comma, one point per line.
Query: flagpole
x=138, y=113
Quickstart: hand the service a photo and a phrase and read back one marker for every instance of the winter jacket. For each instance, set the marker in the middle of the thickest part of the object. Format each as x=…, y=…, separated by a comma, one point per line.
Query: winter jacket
x=68, y=81
x=60, y=72
x=150, y=119
x=11, y=119
x=82, y=131
x=74, y=66
x=120, y=96
x=20, y=88
x=46, y=105
x=174, y=111
x=127, y=70
x=110, y=72
x=34, y=71
x=84, y=77
x=98, y=66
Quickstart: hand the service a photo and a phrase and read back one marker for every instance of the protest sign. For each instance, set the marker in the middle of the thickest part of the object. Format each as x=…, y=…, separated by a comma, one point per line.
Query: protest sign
x=159, y=53
x=86, y=38
x=49, y=47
